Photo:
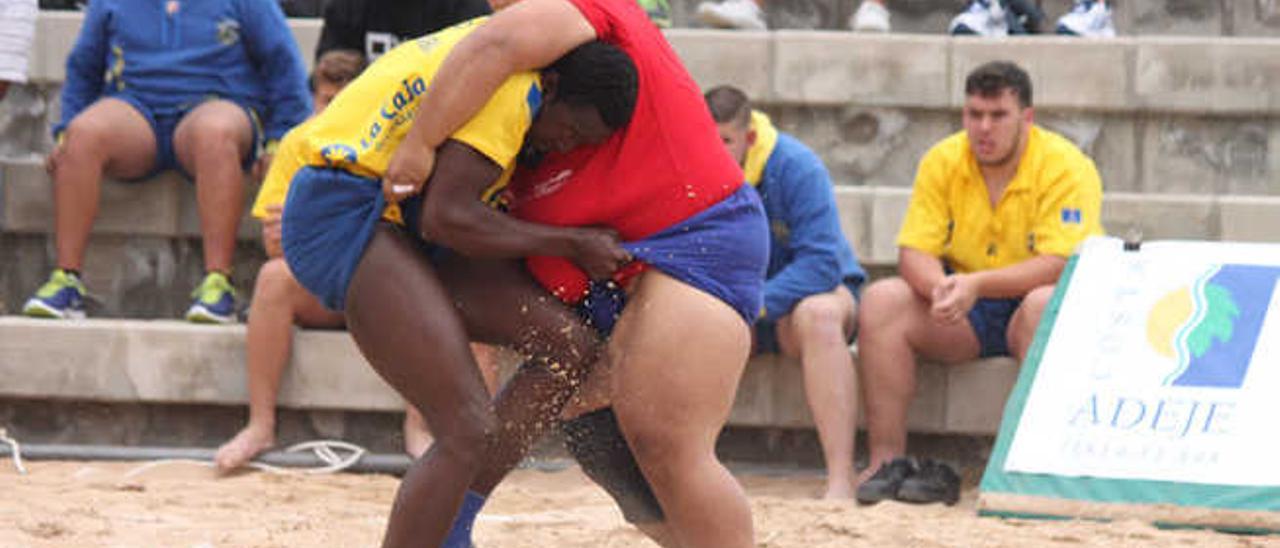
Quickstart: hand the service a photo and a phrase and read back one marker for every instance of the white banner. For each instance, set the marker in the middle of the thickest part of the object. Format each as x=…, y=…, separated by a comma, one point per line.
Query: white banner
x=1163, y=364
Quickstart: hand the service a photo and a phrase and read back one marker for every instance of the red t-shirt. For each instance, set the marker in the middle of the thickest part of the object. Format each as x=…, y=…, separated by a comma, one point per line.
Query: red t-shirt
x=665, y=166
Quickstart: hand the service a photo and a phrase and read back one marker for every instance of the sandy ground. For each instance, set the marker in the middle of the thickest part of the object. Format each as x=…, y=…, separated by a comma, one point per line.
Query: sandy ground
x=184, y=505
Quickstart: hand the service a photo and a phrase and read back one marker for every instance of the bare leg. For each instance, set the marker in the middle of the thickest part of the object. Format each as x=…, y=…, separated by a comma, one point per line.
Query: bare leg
x=108, y=137
x=417, y=437
x=817, y=332
x=678, y=354
x=1022, y=326
x=893, y=328
x=402, y=320
x=211, y=142
x=278, y=303
x=501, y=304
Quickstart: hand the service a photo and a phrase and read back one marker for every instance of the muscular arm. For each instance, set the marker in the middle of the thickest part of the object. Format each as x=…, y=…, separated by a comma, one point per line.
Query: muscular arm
x=530, y=34
x=454, y=216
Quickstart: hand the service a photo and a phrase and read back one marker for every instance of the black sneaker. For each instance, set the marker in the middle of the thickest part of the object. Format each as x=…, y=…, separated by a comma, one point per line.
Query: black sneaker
x=934, y=482
x=884, y=484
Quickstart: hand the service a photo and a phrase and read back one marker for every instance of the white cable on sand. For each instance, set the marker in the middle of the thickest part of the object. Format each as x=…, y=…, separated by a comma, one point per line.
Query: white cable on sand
x=17, y=450
x=324, y=450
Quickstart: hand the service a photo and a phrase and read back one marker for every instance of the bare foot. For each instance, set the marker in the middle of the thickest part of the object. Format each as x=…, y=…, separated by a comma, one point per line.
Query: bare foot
x=241, y=449
x=417, y=439
x=839, y=492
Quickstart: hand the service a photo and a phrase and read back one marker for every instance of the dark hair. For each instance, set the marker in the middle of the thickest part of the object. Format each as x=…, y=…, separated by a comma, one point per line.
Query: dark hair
x=992, y=78
x=337, y=67
x=599, y=75
x=729, y=104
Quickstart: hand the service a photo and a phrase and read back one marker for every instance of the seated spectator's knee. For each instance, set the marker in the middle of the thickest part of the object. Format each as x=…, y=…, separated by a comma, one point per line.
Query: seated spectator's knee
x=86, y=137
x=221, y=135
x=820, y=315
x=1037, y=299
x=275, y=282
x=1027, y=317
x=883, y=304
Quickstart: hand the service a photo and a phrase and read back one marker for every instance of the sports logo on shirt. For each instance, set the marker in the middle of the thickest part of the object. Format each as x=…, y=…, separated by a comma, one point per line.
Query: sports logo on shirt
x=228, y=31
x=338, y=155
x=1072, y=216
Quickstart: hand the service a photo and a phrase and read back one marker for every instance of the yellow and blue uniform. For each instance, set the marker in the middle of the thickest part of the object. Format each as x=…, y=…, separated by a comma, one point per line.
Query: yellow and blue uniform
x=1052, y=204
x=335, y=198
x=286, y=162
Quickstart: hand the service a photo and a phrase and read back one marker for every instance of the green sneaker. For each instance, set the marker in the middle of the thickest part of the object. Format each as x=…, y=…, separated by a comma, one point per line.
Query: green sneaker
x=659, y=12
x=62, y=297
x=215, y=300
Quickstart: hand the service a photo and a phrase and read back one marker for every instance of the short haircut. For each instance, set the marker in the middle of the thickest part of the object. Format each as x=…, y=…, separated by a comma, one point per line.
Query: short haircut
x=599, y=75
x=991, y=79
x=729, y=104
x=337, y=67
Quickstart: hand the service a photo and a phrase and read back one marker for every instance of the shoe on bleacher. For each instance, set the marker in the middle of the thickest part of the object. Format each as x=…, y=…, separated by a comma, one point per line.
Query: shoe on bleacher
x=62, y=297
x=732, y=14
x=870, y=17
x=1089, y=18
x=884, y=484
x=934, y=482
x=215, y=300
x=659, y=12
x=980, y=18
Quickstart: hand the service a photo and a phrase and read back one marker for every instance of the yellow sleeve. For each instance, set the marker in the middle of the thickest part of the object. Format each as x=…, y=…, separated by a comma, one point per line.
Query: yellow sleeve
x=286, y=162
x=1070, y=209
x=498, y=130
x=927, y=225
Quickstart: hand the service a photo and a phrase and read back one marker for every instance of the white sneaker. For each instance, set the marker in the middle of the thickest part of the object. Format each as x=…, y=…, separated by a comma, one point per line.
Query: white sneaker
x=981, y=18
x=732, y=14
x=870, y=17
x=1089, y=18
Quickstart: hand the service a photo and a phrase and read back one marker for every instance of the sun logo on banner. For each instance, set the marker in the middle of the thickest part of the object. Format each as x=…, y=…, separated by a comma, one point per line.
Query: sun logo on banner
x=1209, y=328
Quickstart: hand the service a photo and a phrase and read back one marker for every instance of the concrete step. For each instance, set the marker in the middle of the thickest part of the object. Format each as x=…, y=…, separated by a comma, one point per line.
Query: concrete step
x=133, y=361
x=1170, y=114
x=1146, y=74
x=1145, y=18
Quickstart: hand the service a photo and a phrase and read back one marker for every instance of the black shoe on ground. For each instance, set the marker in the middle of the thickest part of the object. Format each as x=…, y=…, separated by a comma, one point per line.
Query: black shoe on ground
x=934, y=481
x=884, y=484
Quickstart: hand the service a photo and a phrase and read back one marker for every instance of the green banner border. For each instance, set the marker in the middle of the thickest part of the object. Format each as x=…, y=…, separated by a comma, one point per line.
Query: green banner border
x=996, y=480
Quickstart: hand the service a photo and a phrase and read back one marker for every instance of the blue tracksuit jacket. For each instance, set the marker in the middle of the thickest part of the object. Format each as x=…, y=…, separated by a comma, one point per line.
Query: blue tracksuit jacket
x=172, y=54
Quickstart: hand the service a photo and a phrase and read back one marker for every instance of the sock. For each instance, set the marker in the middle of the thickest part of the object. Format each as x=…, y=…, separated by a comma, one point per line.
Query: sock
x=460, y=534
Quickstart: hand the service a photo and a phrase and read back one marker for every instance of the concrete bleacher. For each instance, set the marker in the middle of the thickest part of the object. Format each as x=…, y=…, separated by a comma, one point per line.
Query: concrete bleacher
x=1185, y=130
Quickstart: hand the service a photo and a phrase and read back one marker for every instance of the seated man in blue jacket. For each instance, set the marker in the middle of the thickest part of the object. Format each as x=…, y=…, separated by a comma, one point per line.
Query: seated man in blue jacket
x=153, y=86
x=810, y=295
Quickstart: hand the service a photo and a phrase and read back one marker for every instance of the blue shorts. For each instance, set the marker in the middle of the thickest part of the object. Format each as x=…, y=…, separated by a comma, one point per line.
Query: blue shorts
x=766, y=332
x=990, y=321
x=723, y=250
x=164, y=124
x=329, y=218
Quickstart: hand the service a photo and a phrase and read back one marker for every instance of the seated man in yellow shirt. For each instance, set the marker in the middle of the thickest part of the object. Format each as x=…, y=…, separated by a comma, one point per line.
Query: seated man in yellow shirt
x=995, y=212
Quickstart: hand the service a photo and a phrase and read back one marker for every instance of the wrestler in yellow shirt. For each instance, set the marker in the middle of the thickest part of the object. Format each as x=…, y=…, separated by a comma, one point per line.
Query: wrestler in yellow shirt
x=364, y=124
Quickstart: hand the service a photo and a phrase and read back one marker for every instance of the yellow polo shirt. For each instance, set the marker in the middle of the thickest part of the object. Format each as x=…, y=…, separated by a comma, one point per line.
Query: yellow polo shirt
x=1052, y=204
